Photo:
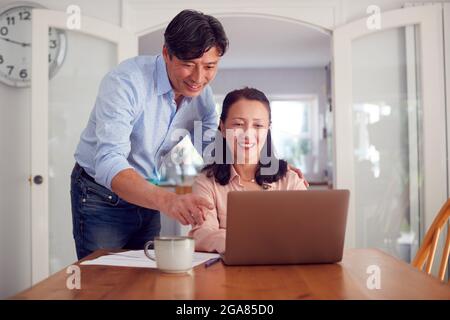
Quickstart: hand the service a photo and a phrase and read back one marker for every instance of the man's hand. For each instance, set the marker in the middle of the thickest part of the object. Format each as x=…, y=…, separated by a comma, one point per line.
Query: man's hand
x=300, y=174
x=188, y=209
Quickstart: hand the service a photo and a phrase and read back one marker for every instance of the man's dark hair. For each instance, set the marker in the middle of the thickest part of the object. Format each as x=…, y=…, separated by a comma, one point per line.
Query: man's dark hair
x=191, y=33
x=222, y=171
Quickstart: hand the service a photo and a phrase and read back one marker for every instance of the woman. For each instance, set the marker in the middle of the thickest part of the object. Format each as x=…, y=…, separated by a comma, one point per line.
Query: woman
x=245, y=128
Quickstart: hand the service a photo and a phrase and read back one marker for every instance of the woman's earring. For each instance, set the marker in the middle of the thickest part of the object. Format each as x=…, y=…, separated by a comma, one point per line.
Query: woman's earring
x=266, y=186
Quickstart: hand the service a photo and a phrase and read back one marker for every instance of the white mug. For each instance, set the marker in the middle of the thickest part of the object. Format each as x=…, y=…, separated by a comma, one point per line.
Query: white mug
x=172, y=254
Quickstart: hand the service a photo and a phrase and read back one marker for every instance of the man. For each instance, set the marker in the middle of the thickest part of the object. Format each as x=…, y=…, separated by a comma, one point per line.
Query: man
x=139, y=106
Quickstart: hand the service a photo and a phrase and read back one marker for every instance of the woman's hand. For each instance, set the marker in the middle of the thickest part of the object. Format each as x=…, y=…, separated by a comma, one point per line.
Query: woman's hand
x=300, y=174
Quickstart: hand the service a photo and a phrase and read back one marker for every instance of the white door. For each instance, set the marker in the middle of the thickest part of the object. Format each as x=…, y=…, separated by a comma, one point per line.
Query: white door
x=390, y=138
x=447, y=77
x=60, y=110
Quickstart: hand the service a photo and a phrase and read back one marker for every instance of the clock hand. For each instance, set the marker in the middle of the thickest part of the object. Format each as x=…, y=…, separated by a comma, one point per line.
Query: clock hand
x=23, y=44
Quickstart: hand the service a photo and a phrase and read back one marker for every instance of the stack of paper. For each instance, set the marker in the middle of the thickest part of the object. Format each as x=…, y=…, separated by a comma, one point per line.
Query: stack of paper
x=137, y=258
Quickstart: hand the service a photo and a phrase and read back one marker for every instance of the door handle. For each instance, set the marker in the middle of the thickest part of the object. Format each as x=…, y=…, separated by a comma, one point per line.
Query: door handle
x=38, y=179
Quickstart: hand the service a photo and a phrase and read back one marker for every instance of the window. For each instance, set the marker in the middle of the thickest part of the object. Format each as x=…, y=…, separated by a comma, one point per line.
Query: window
x=295, y=130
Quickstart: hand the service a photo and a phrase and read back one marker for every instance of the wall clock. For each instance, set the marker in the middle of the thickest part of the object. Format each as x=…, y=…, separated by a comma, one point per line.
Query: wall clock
x=15, y=45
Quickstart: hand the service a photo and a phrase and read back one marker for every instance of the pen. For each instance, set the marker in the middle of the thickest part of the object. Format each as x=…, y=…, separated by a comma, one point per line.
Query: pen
x=210, y=262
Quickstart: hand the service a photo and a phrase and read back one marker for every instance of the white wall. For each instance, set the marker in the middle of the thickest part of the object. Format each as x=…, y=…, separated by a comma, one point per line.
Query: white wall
x=15, y=223
x=15, y=246
x=356, y=9
x=272, y=81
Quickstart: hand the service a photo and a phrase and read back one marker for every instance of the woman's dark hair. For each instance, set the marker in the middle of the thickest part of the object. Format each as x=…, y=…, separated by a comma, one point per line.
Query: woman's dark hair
x=222, y=170
x=191, y=33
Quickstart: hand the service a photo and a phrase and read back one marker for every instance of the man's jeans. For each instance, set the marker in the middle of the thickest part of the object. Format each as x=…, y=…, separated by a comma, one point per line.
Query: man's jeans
x=103, y=220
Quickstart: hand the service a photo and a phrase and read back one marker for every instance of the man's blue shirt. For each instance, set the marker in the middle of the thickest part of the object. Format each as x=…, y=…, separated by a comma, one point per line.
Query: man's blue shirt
x=135, y=121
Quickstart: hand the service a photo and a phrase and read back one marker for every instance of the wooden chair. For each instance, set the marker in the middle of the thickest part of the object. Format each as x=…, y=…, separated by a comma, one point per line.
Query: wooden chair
x=427, y=251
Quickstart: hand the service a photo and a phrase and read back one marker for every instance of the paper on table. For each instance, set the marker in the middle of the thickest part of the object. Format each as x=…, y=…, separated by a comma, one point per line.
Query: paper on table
x=137, y=258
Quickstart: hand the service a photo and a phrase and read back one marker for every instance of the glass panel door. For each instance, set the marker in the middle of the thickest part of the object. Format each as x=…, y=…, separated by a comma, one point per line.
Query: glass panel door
x=386, y=150
x=390, y=128
x=72, y=92
x=60, y=110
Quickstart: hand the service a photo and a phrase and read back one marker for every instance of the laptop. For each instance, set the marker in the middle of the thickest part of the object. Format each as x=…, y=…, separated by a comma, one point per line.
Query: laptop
x=285, y=227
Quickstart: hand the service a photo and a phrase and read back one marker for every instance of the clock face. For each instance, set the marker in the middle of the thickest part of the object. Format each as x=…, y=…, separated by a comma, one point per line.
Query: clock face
x=15, y=46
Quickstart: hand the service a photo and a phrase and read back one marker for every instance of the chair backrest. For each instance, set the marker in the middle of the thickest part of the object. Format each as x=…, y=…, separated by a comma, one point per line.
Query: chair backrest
x=427, y=251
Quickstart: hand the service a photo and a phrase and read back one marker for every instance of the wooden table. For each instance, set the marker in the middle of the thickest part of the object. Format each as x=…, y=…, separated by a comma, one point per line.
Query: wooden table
x=345, y=280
